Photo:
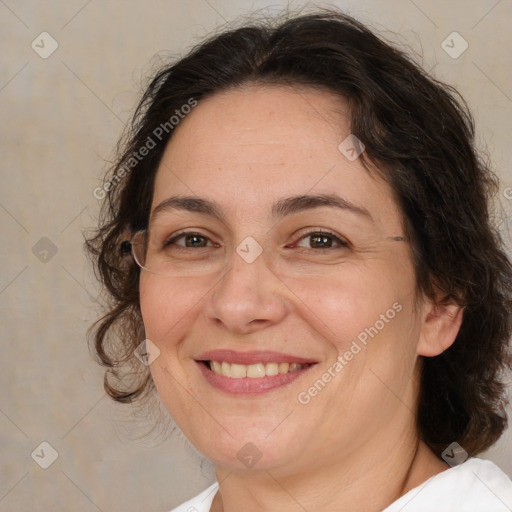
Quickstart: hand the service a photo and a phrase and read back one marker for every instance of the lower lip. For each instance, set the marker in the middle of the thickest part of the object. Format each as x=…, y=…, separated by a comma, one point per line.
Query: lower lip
x=248, y=386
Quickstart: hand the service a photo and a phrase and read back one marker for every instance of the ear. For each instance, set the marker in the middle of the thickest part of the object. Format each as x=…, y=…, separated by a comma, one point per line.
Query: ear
x=441, y=324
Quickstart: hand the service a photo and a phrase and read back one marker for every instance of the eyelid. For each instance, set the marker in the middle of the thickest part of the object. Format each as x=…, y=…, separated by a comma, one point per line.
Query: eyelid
x=183, y=234
x=343, y=242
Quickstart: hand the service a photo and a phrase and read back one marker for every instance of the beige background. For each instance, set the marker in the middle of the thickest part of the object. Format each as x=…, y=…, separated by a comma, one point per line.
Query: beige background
x=60, y=118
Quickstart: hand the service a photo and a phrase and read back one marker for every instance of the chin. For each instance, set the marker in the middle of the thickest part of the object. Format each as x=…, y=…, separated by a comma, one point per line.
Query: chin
x=251, y=446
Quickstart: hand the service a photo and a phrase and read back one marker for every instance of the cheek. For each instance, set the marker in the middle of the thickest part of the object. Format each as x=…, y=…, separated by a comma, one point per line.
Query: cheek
x=155, y=307
x=349, y=304
x=167, y=304
x=168, y=307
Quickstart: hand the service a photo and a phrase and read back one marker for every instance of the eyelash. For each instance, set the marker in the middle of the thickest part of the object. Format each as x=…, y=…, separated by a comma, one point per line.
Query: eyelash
x=342, y=243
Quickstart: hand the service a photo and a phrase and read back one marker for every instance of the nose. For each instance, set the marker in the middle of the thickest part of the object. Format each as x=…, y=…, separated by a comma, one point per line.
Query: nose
x=249, y=297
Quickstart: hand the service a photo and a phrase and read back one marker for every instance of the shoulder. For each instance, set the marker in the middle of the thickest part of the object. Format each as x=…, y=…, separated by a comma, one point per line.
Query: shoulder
x=474, y=486
x=200, y=503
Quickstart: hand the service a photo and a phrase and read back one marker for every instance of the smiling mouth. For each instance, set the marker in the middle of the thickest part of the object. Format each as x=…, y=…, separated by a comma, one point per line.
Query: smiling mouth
x=253, y=371
x=253, y=379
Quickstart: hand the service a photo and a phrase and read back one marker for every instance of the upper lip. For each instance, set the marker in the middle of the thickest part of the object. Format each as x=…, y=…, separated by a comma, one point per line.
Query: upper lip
x=247, y=358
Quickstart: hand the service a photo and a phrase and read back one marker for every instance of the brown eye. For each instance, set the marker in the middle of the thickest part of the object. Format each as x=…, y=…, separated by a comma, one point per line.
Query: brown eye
x=192, y=240
x=322, y=240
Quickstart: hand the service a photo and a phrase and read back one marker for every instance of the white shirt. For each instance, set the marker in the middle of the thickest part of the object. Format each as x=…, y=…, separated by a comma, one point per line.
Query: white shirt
x=477, y=485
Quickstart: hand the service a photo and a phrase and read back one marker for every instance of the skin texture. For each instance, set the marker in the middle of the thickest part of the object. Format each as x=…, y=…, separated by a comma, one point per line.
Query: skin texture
x=245, y=149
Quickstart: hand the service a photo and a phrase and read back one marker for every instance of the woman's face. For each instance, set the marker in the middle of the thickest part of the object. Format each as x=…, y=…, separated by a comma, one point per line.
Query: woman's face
x=258, y=289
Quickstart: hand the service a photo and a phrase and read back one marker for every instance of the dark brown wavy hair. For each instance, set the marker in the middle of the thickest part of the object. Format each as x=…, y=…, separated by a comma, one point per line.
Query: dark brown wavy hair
x=417, y=131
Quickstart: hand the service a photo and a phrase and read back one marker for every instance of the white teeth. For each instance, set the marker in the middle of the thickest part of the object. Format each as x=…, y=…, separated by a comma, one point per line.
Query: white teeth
x=256, y=370
x=238, y=371
x=226, y=369
x=271, y=369
x=253, y=371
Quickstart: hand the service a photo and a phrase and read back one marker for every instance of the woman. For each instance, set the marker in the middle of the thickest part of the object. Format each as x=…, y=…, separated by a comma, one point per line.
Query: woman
x=297, y=230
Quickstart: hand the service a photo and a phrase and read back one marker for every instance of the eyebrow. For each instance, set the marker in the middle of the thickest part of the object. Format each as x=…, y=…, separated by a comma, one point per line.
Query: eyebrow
x=280, y=209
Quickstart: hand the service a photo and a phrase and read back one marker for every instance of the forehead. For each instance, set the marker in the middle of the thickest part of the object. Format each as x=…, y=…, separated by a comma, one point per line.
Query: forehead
x=248, y=147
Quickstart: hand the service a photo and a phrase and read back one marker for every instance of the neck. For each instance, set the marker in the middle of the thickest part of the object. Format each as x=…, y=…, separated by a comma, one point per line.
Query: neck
x=365, y=481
